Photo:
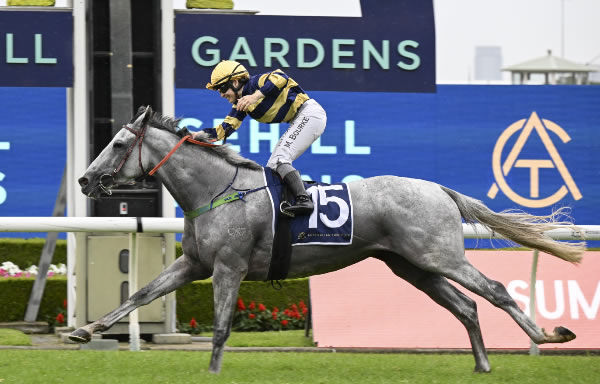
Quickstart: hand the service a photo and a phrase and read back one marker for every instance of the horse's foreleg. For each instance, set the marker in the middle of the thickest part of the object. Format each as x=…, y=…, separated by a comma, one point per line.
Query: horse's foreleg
x=182, y=271
x=226, y=285
x=446, y=295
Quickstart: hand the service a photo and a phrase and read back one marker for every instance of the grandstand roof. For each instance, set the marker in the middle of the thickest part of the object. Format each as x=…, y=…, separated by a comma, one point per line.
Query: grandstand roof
x=549, y=63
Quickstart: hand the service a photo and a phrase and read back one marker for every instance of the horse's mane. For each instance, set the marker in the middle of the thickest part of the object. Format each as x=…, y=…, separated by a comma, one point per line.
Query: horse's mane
x=171, y=124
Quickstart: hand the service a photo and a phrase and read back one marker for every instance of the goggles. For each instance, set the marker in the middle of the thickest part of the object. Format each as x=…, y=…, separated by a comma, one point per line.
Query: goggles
x=227, y=84
x=224, y=87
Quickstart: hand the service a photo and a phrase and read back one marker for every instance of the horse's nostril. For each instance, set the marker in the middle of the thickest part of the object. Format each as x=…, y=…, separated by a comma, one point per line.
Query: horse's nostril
x=83, y=181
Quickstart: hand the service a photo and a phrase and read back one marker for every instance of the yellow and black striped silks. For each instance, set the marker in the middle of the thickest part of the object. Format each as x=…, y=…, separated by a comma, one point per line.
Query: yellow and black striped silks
x=283, y=98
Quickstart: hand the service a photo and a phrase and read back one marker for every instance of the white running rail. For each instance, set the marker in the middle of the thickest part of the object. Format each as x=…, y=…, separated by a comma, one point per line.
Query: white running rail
x=175, y=225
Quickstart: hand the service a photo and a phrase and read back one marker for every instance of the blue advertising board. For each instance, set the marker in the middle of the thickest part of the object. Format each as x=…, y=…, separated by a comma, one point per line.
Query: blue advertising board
x=545, y=139
x=391, y=48
x=528, y=147
x=33, y=139
x=36, y=64
x=36, y=48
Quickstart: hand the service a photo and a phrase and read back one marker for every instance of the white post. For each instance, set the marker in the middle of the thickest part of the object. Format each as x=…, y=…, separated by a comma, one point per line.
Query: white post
x=168, y=82
x=77, y=142
x=168, y=108
x=134, y=326
x=533, y=349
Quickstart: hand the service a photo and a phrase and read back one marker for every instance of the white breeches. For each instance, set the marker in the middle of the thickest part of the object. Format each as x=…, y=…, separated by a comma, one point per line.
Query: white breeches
x=304, y=129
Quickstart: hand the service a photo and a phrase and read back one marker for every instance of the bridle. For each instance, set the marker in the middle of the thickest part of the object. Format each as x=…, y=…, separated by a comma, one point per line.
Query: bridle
x=139, y=139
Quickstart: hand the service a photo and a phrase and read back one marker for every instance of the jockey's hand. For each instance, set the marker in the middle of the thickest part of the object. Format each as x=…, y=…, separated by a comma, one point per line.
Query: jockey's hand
x=245, y=101
x=196, y=136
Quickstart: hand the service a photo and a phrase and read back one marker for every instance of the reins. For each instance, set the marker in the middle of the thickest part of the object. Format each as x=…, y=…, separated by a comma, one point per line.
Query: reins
x=214, y=203
x=139, y=138
x=187, y=138
x=238, y=195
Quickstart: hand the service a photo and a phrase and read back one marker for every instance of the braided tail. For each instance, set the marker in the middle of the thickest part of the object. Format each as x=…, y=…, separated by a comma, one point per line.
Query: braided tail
x=520, y=227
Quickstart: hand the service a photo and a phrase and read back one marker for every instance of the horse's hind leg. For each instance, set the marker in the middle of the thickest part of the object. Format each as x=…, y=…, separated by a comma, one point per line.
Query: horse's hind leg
x=493, y=291
x=182, y=271
x=446, y=295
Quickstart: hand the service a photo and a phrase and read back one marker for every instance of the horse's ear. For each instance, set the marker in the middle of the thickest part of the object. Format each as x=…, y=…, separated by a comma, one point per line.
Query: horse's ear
x=143, y=115
x=147, y=115
x=141, y=109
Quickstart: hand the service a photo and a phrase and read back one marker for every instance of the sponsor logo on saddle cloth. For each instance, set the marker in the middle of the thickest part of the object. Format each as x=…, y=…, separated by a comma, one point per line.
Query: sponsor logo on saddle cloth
x=331, y=220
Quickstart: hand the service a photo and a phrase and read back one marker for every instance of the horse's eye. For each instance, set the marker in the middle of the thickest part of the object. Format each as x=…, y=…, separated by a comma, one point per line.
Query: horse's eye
x=118, y=144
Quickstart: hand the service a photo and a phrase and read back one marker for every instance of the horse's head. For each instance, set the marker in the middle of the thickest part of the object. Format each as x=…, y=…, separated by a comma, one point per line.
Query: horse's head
x=120, y=161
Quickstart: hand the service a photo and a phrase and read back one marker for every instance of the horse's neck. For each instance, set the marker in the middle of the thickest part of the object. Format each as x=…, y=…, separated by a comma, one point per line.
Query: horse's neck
x=194, y=176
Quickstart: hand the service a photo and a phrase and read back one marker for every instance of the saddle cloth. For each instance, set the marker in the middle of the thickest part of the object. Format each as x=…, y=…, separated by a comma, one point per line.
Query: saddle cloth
x=331, y=222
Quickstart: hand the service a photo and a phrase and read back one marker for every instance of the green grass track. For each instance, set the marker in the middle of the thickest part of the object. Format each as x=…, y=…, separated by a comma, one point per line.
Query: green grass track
x=35, y=366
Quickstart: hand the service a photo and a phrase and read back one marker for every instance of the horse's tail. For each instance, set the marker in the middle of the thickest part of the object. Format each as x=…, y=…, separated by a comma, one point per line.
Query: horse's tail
x=520, y=227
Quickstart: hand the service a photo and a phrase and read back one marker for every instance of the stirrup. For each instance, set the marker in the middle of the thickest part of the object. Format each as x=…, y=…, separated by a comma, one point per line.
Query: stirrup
x=283, y=209
x=303, y=206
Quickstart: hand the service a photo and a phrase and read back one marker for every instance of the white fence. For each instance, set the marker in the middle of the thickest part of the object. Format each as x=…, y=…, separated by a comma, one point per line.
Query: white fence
x=91, y=224
x=175, y=225
x=133, y=225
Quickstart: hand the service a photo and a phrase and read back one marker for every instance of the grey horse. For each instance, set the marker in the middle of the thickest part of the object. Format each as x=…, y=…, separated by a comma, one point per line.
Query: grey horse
x=413, y=226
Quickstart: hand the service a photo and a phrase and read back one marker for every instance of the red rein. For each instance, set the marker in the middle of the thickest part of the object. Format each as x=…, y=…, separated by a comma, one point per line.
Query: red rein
x=187, y=138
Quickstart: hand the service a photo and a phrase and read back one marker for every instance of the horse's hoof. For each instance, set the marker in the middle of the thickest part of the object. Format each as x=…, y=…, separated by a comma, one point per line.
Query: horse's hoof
x=482, y=367
x=564, y=333
x=80, y=336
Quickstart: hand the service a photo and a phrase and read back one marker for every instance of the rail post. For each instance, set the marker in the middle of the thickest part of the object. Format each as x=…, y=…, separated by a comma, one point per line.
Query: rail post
x=134, y=325
x=533, y=349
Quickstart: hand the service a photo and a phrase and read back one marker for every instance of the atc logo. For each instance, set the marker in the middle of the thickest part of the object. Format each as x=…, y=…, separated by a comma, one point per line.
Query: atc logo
x=501, y=170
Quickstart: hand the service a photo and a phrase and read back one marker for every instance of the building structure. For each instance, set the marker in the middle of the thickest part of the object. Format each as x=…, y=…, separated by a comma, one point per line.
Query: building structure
x=550, y=69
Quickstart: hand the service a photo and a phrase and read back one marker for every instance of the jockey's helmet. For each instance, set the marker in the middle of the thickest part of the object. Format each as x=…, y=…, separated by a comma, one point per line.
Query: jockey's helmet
x=226, y=71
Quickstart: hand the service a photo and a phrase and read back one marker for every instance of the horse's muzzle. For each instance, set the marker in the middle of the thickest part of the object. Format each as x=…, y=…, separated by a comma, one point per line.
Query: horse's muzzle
x=83, y=182
x=105, y=182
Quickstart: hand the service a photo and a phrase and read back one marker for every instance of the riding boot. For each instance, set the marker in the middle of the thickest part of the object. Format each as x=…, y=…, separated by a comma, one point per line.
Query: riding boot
x=304, y=204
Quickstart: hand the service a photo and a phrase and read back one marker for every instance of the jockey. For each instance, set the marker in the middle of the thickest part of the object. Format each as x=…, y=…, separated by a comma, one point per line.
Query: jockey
x=272, y=97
